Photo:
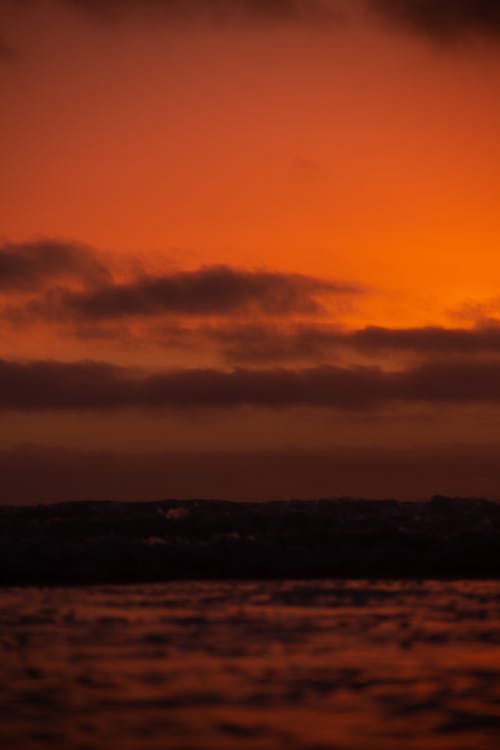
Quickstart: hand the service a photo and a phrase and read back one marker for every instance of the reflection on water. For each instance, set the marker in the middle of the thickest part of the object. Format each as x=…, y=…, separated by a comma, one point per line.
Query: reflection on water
x=269, y=665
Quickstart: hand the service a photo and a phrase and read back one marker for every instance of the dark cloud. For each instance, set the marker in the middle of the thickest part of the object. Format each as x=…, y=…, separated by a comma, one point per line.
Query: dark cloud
x=464, y=380
x=28, y=266
x=211, y=290
x=57, y=386
x=32, y=474
x=260, y=343
x=444, y=19
x=95, y=385
x=429, y=339
x=51, y=268
x=438, y=19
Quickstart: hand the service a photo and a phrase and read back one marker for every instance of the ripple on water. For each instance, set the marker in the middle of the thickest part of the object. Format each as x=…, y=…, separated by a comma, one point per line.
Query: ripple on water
x=264, y=666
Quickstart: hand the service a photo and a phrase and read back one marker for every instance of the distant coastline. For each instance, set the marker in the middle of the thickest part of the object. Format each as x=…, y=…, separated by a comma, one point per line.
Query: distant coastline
x=80, y=543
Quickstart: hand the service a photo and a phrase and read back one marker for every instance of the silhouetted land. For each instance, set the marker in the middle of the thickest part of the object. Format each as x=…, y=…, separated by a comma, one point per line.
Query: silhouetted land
x=112, y=542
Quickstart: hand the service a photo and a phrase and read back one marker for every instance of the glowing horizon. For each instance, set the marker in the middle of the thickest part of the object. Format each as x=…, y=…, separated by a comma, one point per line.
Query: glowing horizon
x=295, y=204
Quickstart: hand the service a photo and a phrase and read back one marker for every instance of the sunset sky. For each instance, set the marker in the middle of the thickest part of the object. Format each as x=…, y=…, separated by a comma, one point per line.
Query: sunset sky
x=249, y=248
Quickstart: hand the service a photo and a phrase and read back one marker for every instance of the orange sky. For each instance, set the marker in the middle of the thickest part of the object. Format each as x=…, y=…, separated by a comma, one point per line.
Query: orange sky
x=356, y=152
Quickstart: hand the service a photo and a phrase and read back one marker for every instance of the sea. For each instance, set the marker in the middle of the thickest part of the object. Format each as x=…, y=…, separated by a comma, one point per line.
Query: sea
x=260, y=665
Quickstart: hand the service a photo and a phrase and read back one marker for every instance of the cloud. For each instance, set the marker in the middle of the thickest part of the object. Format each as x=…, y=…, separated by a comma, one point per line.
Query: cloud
x=444, y=19
x=266, y=343
x=440, y=19
x=428, y=339
x=75, y=283
x=465, y=380
x=210, y=290
x=258, y=344
x=96, y=385
x=30, y=265
x=59, y=386
x=484, y=312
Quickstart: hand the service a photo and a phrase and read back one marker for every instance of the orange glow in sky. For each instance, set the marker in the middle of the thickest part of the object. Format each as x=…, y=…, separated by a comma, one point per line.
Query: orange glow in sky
x=356, y=152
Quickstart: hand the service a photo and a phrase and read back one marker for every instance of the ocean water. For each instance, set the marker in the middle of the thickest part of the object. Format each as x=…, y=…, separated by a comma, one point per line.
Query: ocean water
x=265, y=665
x=97, y=542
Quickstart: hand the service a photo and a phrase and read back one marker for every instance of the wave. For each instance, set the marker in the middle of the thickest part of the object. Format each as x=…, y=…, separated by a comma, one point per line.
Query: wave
x=116, y=542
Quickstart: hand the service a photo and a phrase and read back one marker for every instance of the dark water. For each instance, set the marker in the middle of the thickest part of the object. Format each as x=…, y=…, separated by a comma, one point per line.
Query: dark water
x=98, y=543
x=294, y=665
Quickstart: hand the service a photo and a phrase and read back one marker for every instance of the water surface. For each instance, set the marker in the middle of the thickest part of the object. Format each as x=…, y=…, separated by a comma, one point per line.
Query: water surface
x=265, y=665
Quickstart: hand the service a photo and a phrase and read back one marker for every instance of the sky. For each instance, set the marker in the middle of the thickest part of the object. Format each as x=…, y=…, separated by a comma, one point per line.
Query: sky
x=249, y=249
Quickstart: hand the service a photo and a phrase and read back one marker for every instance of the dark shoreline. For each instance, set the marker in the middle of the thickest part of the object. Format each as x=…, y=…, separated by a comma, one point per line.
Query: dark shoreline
x=85, y=543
